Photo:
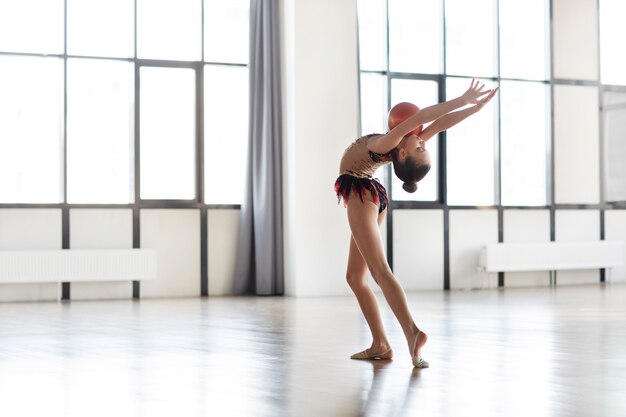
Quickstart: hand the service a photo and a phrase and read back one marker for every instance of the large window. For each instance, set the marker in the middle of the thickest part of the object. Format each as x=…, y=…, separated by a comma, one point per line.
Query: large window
x=31, y=124
x=415, y=36
x=99, y=131
x=614, y=104
x=119, y=101
x=224, y=150
x=524, y=52
x=613, y=76
x=167, y=132
x=429, y=50
x=226, y=100
x=100, y=28
x=612, y=33
x=226, y=31
x=471, y=153
x=31, y=26
x=169, y=29
x=471, y=38
x=422, y=93
x=524, y=147
x=372, y=35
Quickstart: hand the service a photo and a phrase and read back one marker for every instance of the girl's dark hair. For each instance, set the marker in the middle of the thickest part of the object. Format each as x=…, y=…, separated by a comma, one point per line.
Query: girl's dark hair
x=409, y=171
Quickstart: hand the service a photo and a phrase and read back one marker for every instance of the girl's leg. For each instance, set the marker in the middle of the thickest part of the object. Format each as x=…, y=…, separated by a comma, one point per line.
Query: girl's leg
x=357, y=279
x=362, y=217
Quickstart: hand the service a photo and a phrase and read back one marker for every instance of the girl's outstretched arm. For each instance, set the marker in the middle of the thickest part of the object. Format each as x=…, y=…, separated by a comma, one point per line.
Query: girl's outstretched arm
x=387, y=142
x=447, y=121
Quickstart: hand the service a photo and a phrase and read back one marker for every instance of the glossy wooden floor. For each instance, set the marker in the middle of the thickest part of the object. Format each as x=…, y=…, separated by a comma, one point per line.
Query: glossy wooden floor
x=538, y=352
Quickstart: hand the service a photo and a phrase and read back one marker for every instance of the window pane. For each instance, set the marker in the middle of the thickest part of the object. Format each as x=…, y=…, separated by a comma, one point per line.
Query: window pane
x=225, y=133
x=614, y=135
x=612, y=35
x=470, y=148
x=226, y=31
x=576, y=146
x=523, y=52
x=101, y=27
x=31, y=26
x=167, y=133
x=575, y=39
x=31, y=115
x=374, y=111
x=415, y=36
x=99, y=131
x=470, y=37
x=372, y=35
x=524, y=132
x=169, y=29
x=422, y=94
x=373, y=103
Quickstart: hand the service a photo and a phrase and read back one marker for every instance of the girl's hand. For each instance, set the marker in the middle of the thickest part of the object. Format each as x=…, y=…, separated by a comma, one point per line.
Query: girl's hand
x=480, y=103
x=474, y=93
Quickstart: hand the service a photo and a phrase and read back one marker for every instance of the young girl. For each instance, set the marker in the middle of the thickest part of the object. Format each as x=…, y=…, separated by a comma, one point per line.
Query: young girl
x=366, y=201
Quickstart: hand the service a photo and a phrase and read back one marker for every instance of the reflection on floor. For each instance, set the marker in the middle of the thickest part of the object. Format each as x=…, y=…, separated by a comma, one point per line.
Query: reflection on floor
x=518, y=352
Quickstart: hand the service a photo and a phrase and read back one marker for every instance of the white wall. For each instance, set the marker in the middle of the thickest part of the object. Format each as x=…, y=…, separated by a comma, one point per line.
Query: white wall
x=30, y=229
x=418, y=248
x=573, y=226
x=321, y=98
x=223, y=230
x=101, y=229
x=470, y=230
x=175, y=234
x=526, y=226
x=615, y=229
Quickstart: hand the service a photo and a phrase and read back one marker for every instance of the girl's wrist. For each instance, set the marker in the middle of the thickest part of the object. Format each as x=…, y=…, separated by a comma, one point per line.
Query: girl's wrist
x=461, y=101
x=464, y=101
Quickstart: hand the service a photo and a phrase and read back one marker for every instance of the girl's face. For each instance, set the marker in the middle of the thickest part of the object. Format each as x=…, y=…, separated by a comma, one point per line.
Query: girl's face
x=416, y=147
x=414, y=143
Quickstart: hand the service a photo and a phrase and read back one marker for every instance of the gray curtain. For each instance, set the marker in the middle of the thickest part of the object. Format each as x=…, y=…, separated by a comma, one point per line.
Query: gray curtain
x=259, y=268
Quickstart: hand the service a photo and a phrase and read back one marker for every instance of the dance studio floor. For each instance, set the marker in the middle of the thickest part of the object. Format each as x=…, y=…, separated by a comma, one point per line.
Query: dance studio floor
x=518, y=352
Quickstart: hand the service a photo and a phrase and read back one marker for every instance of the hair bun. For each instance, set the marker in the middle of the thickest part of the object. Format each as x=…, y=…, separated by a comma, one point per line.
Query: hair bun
x=410, y=187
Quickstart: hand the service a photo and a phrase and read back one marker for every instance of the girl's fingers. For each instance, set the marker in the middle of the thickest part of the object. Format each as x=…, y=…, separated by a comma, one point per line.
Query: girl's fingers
x=489, y=97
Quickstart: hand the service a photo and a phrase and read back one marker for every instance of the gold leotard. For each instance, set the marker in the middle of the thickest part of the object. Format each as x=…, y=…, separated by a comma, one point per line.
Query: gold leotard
x=359, y=161
x=356, y=169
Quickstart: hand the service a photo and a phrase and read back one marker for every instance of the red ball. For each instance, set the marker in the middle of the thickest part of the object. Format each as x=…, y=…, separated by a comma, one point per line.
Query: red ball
x=400, y=112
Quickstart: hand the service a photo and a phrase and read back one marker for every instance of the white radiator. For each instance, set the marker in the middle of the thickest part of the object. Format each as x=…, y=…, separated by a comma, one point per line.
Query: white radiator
x=74, y=265
x=551, y=256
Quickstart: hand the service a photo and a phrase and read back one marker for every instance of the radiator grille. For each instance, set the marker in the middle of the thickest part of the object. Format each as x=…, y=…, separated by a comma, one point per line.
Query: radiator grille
x=77, y=265
x=548, y=256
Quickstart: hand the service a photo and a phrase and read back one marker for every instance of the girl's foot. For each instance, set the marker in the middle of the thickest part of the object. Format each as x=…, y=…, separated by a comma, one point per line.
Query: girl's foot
x=378, y=352
x=418, y=341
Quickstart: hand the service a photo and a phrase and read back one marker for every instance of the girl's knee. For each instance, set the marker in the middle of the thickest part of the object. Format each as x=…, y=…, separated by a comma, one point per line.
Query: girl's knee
x=354, y=279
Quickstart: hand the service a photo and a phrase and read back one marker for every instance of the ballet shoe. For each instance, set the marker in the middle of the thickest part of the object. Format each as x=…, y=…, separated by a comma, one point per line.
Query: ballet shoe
x=365, y=355
x=417, y=360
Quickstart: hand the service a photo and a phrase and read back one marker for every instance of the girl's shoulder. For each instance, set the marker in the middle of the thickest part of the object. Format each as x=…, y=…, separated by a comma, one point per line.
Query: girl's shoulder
x=362, y=143
x=369, y=137
x=377, y=157
x=363, y=140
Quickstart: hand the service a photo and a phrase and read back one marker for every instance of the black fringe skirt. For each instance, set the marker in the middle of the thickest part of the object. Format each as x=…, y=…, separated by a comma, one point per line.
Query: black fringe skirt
x=347, y=184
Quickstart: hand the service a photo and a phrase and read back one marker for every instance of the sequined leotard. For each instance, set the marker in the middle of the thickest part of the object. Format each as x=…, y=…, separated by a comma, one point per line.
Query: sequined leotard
x=356, y=169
